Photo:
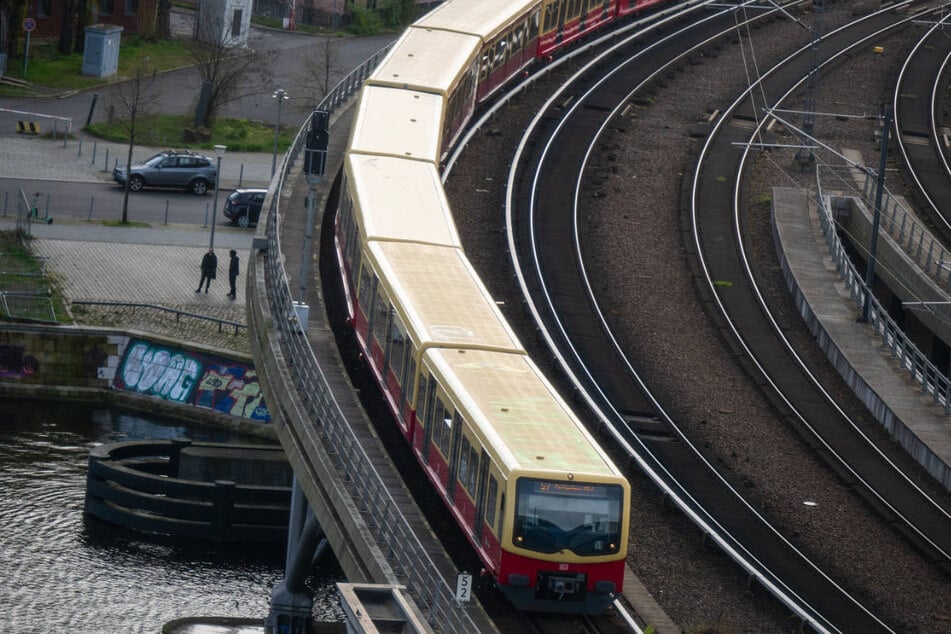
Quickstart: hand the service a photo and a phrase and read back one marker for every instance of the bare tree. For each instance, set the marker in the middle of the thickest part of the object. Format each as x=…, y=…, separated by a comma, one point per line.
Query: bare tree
x=320, y=70
x=229, y=72
x=135, y=98
x=163, y=20
x=12, y=13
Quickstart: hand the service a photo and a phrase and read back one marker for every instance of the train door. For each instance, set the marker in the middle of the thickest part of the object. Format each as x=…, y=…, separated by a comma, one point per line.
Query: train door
x=454, y=442
x=424, y=410
x=379, y=327
x=482, y=483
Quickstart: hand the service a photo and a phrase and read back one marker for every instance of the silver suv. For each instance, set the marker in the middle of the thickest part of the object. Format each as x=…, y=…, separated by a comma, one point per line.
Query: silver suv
x=171, y=168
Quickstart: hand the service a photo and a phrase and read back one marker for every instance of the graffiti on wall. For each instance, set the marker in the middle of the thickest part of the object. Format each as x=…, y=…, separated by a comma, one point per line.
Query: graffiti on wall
x=14, y=363
x=195, y=378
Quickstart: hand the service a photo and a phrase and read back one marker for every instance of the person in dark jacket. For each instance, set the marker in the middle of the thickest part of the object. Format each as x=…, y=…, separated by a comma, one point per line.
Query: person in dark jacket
x=209, y=270
x=233, y=269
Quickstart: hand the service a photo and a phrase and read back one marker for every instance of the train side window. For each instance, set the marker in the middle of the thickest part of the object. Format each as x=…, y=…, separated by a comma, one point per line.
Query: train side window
x=551, y=16
x=396, y=348
x=446, y=437
x=439, y=414
x=381, y=313
x=473, y=476
x=464, y=461
x=491, y=499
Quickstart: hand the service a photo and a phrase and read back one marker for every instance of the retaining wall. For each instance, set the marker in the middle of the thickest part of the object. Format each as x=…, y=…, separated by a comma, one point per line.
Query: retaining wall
x=133, y=369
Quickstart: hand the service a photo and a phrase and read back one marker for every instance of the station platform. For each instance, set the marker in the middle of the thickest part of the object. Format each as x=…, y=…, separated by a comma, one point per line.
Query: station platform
x=911, y=415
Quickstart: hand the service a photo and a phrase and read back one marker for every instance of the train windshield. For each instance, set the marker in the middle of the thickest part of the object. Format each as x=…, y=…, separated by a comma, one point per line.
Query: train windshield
x=551, y=516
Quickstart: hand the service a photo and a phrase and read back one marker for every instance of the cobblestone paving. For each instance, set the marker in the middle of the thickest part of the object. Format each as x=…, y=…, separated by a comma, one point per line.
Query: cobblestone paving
x=162, y=275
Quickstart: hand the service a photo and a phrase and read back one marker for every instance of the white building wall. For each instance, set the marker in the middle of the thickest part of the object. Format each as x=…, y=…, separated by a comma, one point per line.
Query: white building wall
x=227, y=22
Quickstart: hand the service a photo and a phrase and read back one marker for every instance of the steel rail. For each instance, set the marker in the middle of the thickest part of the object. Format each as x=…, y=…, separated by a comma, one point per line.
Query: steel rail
x=656, y=471
x=897, y=107
x=534, y=309
x=897, y=472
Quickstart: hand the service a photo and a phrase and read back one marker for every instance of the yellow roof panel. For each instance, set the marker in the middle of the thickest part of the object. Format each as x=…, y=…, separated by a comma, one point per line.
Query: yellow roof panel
x=484, y=18
x=441, y=300
x=427, y=60
x=509, y=400
x=394, y=122
x=400, y=199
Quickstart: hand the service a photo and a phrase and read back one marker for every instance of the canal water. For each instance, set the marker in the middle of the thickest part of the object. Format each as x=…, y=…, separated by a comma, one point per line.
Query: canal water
x=63, y=572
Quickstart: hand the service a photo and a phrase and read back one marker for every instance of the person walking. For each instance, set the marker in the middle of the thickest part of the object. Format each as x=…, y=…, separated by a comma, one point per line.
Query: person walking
x=209, y=270
x=233, y=268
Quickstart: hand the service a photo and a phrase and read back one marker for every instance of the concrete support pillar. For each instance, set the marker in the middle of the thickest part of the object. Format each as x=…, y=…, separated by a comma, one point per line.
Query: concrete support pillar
x=291, y=602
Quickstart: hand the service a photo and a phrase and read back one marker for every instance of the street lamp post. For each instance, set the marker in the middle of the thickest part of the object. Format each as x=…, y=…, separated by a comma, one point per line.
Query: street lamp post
x=219, y=151
x=281, y=95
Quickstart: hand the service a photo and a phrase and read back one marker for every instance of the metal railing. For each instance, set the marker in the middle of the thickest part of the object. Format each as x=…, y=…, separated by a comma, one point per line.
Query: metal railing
x=32, y=305
x=919, y=244
x=178, y=313
x=405, y=553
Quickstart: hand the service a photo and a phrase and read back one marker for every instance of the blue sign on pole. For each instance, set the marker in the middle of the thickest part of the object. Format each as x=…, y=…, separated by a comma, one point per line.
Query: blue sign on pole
x=28, y=25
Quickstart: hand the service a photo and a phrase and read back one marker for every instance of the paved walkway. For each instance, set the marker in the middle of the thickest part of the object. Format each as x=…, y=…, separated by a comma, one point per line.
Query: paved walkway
x=149, y=265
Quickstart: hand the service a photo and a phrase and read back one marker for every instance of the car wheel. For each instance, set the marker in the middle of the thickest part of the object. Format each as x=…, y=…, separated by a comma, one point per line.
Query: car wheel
x=244, y=221
x=199, y=187
x=136, y=183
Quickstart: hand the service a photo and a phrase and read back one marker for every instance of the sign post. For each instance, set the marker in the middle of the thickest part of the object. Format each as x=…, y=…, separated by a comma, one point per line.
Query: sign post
x=463, y=587
x=28, y=25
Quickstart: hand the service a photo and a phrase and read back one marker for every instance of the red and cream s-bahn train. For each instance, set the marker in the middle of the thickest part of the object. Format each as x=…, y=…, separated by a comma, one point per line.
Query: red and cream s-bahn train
x=540, y=501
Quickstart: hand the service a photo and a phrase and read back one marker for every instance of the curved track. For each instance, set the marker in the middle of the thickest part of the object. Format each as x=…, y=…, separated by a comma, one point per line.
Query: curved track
x=564, y=302
x=918, y=105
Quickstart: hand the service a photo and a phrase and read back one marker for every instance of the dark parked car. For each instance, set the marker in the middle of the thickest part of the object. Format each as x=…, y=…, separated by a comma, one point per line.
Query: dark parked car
x=171, y=168
x=243, y=206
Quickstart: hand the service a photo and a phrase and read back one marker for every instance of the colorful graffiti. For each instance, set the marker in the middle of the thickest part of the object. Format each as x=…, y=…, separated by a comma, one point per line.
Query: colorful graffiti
x=195, y=378
x=13, y=363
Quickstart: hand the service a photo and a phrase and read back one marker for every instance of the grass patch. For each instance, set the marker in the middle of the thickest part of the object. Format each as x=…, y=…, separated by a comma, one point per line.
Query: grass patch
x=238, y=135
x=49, y=68
x=21, y=272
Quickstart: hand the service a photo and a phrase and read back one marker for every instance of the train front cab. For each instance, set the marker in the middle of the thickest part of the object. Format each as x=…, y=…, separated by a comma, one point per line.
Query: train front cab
x=564, y=549
x=500, y=447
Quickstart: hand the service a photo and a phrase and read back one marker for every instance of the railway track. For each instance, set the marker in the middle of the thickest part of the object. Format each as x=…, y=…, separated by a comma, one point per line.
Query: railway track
x=564, y=300
x=919, y=111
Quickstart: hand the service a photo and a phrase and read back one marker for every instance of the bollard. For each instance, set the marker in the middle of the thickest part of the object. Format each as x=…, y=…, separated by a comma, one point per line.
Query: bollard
x=94, y=145
x=105, y=167
x=206, y=216
x=47, y=207
x=241, y=175
x=80, y=147
x=166, y=211
x=92, y=199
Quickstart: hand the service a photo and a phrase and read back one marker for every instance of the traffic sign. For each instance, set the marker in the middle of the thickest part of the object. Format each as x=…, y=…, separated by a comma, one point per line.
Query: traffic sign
x=29, y=24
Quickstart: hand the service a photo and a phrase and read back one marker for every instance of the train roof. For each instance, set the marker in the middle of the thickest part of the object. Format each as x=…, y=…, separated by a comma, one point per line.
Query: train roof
x=439, y=297
x=395, y=122
x=510, y=402
x=412, y=62
x=399, y=199
x=485, y=18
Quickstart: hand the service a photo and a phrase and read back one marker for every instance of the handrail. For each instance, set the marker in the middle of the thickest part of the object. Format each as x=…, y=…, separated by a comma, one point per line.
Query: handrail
x=893, y=218
x=178, y=313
